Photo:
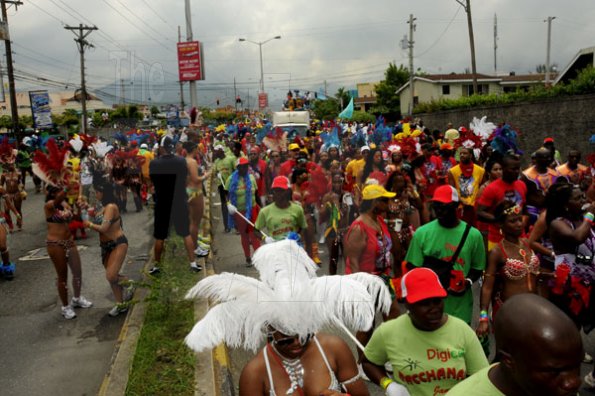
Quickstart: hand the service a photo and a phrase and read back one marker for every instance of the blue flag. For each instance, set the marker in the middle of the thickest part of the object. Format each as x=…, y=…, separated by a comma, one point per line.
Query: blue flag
x=347, y=113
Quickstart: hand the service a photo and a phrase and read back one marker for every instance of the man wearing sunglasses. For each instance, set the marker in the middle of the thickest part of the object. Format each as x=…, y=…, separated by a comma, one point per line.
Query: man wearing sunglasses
x=453, y=249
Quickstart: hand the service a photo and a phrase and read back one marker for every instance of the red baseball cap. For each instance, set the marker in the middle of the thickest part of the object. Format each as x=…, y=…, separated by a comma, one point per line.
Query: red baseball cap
x=420, y=284
x=243, y=161
x=445, y=194
x=280, y=182
x=548, y=140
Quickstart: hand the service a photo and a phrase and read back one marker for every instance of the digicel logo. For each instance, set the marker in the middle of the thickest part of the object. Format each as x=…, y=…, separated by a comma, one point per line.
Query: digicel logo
x=444, y=355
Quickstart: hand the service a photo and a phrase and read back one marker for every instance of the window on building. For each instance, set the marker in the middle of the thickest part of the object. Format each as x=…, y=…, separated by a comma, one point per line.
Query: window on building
x=415, y=100
x=483, y=89
x=446, y=90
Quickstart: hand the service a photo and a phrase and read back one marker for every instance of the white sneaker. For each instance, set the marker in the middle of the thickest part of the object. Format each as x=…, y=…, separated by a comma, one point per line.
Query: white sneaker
x=195, y=267
x=81, y=302
x=589, y=380
x=587, y=358
x=118, y=309
x=68, y=312
x=128, y=293
x=200, y=252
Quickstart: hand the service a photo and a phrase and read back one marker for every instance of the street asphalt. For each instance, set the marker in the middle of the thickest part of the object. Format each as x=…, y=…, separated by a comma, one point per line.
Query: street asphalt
x=41, y=352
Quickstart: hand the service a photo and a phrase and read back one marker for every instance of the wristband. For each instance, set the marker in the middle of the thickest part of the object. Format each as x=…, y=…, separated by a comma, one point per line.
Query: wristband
x=589, y=218
x=483, y=316
x=385, y=382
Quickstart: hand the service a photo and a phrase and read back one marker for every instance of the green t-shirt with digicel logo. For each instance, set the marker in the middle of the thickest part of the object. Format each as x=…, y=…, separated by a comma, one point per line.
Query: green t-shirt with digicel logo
x=280, y=222
x=428, y=363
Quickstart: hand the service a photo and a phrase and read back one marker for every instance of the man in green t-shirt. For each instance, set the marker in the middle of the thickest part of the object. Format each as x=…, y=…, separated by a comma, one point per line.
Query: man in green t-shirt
x=430, y=351
x=282, y=216
x=440, y=239
x=224, y=165
x=540, y=352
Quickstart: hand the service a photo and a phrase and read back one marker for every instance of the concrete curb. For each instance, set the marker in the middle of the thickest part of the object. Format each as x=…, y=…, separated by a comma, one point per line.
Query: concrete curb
x=221, y=378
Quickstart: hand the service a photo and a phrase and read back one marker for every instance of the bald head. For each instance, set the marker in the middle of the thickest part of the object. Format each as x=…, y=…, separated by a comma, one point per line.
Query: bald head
x=526, y=316
x=540, y=347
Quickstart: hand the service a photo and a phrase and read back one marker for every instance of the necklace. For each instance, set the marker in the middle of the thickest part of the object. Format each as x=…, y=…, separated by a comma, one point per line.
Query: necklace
x=294, y=370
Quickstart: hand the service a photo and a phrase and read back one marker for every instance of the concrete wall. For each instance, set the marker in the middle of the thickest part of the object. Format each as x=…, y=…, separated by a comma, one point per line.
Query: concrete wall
x=570, y=121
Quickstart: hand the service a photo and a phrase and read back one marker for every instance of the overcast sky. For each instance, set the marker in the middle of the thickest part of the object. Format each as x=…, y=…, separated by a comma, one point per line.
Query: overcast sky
x=341, y=41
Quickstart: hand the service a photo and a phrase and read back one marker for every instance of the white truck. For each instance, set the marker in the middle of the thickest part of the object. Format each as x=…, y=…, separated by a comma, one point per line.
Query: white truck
x=293, y=122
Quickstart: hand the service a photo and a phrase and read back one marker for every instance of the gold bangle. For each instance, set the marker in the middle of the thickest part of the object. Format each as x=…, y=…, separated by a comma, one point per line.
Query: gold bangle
x=385, y=382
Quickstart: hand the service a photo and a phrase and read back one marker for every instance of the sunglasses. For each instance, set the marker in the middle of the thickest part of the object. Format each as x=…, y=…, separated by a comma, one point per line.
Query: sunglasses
x=287, y=341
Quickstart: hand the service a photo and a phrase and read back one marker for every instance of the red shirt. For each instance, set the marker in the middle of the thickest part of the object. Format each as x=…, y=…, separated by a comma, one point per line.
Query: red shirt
x=431, y=169
x=258, y=171
x=496, y=192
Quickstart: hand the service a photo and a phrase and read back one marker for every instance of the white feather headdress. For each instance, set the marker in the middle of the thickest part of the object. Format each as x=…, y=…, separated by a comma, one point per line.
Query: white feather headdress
x=289, y=296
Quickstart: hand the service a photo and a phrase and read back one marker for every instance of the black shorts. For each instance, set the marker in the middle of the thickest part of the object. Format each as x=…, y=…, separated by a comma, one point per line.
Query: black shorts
x=176, y=214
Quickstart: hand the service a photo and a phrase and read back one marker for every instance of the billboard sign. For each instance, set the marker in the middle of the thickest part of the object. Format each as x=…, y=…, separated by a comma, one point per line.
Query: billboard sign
x=40, y=108
x=263, y=100
x=190, y=65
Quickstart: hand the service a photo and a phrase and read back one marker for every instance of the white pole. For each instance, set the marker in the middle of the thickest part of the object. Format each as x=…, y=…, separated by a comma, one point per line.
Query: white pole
x=547, y=57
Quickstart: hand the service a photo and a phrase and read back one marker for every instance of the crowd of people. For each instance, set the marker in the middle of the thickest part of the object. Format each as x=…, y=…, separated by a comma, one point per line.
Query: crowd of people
x=426, y=213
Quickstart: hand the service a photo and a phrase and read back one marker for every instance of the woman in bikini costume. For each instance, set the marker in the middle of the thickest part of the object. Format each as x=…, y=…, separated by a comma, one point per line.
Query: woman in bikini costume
x=513, y=267
x=11, y=181
x=297, y=359
x=62, y=250
x=107, y=221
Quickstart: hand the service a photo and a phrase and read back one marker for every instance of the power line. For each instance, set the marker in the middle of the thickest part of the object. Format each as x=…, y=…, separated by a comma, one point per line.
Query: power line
x=137, y=27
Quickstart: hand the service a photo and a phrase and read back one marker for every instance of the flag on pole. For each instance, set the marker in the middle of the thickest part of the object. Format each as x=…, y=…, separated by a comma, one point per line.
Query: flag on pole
x=347, y=113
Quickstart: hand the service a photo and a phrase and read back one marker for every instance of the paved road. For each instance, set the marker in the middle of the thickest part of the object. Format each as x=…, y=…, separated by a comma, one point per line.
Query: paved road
x=41, y=353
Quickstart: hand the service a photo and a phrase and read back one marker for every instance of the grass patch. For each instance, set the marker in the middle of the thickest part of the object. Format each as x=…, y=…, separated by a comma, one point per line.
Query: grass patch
x=163, y=365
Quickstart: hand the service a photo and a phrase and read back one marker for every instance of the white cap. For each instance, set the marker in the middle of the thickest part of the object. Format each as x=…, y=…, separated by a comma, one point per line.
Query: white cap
x=144, y=146
x=364, y=148
x=218, y=147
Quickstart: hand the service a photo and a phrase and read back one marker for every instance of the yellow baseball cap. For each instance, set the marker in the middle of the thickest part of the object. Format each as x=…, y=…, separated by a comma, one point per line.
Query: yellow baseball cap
x=373, y=191
x=293, y=146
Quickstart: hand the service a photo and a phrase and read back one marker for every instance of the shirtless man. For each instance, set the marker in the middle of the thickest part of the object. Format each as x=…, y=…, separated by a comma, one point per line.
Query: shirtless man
x=194, y=190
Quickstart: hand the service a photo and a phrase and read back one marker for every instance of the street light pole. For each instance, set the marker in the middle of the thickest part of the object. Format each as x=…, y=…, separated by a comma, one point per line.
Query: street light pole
x=261, y=69
x=260, y=44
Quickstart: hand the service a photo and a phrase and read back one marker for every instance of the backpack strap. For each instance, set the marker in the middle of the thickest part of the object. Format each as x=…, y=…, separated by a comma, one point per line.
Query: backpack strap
x=454, y=258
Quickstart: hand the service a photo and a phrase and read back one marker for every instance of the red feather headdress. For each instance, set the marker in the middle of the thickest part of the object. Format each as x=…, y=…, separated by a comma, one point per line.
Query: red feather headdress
x=7, y=152
x=51, y=167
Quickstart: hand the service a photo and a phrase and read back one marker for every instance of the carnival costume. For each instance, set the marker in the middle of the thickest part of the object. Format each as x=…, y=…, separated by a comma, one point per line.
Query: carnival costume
x=7, y=156
x=288, y=298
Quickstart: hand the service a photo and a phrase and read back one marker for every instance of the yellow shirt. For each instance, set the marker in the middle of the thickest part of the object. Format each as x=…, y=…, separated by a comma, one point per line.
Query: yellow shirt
x=467, y=187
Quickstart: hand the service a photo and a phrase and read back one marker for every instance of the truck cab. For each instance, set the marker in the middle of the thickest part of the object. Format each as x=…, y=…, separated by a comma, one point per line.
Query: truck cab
x=295, y=123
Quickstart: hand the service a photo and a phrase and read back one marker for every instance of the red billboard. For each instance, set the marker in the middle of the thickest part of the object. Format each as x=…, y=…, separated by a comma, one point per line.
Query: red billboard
x=190, y=61
x=263, y=100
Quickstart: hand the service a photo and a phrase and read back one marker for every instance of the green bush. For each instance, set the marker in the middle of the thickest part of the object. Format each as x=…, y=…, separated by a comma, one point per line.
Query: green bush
x=582, y=85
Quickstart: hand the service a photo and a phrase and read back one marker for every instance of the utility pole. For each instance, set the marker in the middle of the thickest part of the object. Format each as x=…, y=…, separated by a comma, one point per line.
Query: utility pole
x=122, y=93
x=235, y=94
x=325, y=93
x=411, y=30
x=467, y=8
x=547, y=57
x=2, y=84
x=181, y=82
x=495, y=44
x=14, y=110
x=81, y=32
x=193, y=93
